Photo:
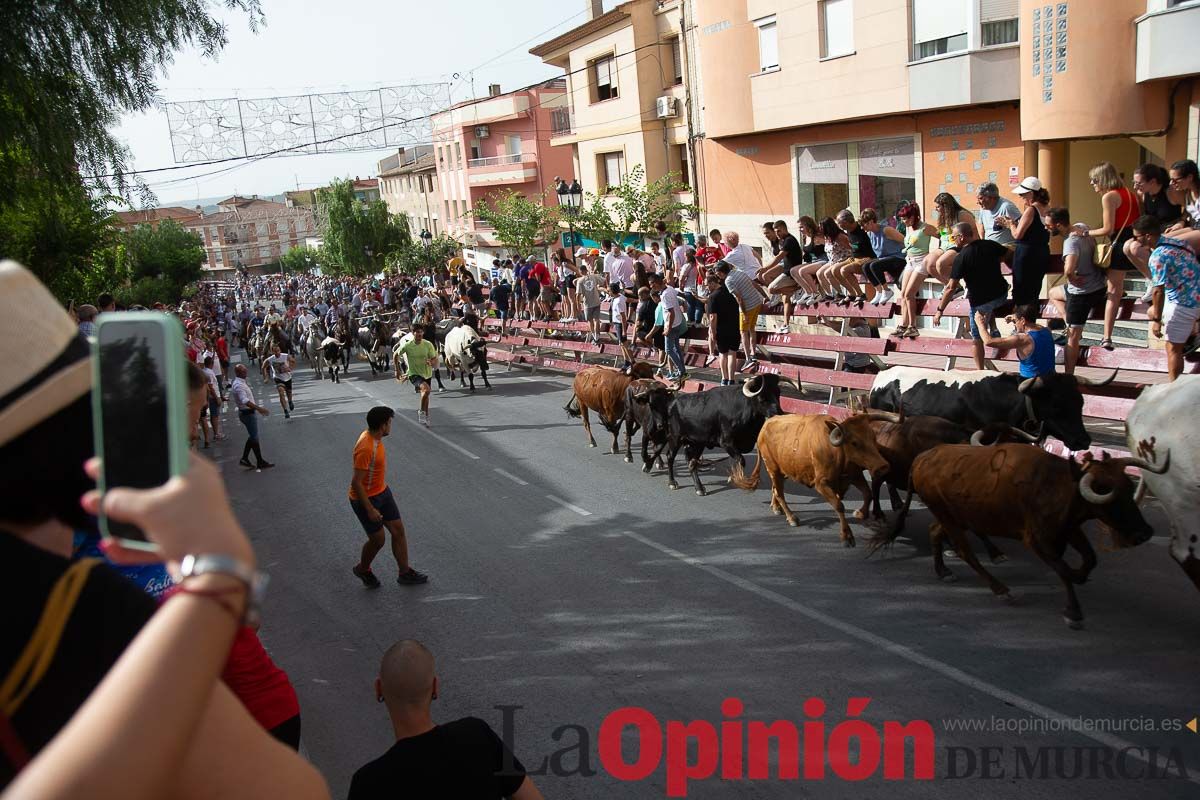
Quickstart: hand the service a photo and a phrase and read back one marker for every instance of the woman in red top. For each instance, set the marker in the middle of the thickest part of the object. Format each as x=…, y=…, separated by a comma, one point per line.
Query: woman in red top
x=1119, y=207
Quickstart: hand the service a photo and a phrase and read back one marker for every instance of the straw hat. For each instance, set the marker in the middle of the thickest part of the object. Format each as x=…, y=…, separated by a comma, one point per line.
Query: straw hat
x=46, y=359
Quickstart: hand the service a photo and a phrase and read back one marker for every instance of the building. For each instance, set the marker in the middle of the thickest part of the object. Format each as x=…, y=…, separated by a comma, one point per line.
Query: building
x=626, y=74
x=495, y=143
x=251, y=233
x=408, y=183
x=153, y=216
x=365, y=190
x=812, y=106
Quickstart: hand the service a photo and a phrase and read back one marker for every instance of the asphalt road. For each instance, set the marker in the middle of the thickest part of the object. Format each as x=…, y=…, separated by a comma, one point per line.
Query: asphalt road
x=569, y=584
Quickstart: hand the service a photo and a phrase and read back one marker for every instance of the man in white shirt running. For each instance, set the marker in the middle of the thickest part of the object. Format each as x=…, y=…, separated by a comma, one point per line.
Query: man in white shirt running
x=281, y=365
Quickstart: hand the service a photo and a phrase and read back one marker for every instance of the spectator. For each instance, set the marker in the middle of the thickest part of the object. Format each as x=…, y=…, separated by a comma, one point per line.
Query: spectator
x=1084, y=290
x=645, y=320
x=1119, y=209
x=86, y=314
x=500, y=297
x=862, y=252
x=708, y=253
x=741, y=255
x=678, y=253
x=723, y=333
x=993, y=207
x=860, y=363
x=918, y=238
x=567, y=272
x=1185, y=179
x=888, y=244
x=768, y=232
x=777, y=275
x=675, y=324
x=619, y=316
x=940, y=260
x=689, y=286
x=213, y=398
x=1031, y=258
x=837, y=252
x=106, y=303
x=587, y=292
x=1160, y=201
x=977, y=265
x=656, y=254
x=812, y=242
x=248, y=410
x=715, y=237
x=749, y=296
x=1176, y=278
x=1033, y=343
x=460, y=759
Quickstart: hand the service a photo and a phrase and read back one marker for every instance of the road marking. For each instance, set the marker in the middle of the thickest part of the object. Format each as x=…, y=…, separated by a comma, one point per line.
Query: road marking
x=441, y=439
x=583, y=512
x=511, y=477
x=907, y=653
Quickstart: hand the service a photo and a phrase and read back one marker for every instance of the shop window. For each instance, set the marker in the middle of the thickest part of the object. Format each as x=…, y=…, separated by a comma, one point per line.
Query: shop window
x=823, y=175
x=879, y=174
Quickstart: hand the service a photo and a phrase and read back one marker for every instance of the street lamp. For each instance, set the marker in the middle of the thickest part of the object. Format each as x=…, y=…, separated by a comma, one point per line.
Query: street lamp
x=427, y=240
x=569, y=197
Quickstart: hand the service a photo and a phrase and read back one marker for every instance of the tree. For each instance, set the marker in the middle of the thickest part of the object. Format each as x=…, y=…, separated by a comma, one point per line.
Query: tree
x=298, y=259
x=358, y=237
x=416, y=255
x=70, y=71
x=162, y=261
x=520, y=223
x=635, y=207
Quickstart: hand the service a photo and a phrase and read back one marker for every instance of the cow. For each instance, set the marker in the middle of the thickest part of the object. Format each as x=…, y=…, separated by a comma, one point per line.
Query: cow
x=728, y=417
x=331, y=353
x=372, y=341
x=1026, y=493
x=466, y=352
x=312, y=347
x=1050, y=404
x=647, y=403
x=822, y=453
x=1164, y=418
x=603, y=389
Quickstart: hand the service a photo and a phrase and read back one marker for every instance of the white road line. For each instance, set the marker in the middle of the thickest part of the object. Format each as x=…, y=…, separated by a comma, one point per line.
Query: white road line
x=511, y=477
x=583, y=512
x=441, y=439
x=907, y=653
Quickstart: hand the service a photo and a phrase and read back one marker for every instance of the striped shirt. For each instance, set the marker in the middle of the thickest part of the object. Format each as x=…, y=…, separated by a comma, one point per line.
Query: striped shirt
x=741, y=286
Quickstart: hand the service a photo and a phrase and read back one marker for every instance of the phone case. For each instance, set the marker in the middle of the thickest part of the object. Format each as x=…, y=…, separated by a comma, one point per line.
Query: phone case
x=176, y=371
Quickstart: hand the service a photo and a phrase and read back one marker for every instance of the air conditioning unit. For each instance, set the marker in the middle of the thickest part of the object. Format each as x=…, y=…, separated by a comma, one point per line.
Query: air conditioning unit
x=666, y=107
x=482, y=132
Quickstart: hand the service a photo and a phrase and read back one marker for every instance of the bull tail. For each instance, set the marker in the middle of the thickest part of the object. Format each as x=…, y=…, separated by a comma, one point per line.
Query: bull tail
x=738, y=477
x=572, y=407
x=884, y=539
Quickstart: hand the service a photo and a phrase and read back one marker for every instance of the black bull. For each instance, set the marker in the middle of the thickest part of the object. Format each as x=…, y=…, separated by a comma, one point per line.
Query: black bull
x=729, y=417
x=1050, y=404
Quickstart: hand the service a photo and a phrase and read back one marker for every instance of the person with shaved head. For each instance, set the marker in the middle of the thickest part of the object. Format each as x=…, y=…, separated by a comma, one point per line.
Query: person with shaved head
x=460, y=759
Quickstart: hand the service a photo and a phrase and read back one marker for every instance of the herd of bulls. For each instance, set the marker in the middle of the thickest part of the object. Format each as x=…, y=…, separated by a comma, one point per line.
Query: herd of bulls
x=965, y=442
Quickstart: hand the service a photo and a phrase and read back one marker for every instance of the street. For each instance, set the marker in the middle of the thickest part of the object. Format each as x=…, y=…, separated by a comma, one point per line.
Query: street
x=567, y=584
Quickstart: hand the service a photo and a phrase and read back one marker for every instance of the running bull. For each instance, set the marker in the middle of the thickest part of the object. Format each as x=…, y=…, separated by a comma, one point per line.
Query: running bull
x=602, y=389
x=1025, y=493
x=647, y=403
x=1050, y=404
x=466, y=352
x=822, y=453
x=729, y=417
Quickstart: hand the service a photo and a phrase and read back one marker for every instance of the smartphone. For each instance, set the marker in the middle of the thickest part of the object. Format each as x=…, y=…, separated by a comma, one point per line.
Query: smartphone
x=139, y=407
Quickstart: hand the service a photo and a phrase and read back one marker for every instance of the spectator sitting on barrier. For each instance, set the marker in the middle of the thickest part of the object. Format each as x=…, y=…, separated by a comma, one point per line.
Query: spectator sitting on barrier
x=1033, y=343
x=460, y=759
x=888, y=244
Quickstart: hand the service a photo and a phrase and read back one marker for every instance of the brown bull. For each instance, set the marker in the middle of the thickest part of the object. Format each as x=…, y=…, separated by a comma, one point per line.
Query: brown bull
x=602, y=389
x=1025, y=493
x=819, y=452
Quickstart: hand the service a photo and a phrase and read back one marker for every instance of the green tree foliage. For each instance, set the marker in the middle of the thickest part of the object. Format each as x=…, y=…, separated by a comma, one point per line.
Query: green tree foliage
x=162, y=261
x=358, y=237
x=69, y=71
x=521, y=223
x=297, y=259
x=635, y=207
x=416, y=256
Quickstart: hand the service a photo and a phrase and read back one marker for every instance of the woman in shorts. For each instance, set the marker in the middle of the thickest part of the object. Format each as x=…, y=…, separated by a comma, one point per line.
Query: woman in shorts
x=919, y=236
x=1118, y=209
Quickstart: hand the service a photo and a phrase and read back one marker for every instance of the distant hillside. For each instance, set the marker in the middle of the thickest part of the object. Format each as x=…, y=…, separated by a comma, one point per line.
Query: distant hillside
x=209, y=204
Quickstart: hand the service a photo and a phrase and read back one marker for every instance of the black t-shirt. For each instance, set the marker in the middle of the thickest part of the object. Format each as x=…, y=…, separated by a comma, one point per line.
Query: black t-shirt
x=723, y=304
x=793, y=252
x=475, y=293
x=979, y=266
x=645, y=316
x=411, y=292
x=107, y=615
x=464, y=759
x=500, y=295
x=860, y=243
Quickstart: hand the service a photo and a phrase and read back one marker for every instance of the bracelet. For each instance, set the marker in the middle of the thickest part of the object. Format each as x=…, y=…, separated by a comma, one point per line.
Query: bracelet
x=216, y=596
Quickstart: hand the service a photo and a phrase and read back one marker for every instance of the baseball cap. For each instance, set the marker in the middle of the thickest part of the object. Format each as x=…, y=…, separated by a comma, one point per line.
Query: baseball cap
x=1030, y=184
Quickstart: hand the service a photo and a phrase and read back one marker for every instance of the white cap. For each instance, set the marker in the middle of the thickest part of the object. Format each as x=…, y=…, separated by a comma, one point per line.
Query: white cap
x=582, y=251
x=1030, y=184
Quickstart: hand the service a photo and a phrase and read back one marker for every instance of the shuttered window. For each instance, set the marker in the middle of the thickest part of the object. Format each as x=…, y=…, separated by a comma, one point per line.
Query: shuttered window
x=676, y=61
x=768, y=43
x=939, y=26
x=613, y=166
x=604, y=79
x=993, y=10
x=837, y=21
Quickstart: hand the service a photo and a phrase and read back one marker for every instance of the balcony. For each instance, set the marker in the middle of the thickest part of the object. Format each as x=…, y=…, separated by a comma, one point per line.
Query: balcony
x=964, y=78
x=562, y=122
x=1166, y=45
x=499, y=170
x=496, y=109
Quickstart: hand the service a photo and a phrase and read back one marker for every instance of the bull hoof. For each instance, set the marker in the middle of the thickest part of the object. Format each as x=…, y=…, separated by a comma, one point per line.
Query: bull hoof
x=949, y=577
x=628, y=460
x=795, y=523
x=1008, y=598
x=591, y=444
x=646, y=468
x=701, y=493
x=1000, y=559
x=777, y=511
x=849, y=542
x=1073, y=624
x=672, y=486
x=860, y=515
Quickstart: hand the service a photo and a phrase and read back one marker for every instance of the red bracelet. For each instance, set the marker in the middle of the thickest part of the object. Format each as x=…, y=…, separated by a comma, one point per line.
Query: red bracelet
x=216, y=596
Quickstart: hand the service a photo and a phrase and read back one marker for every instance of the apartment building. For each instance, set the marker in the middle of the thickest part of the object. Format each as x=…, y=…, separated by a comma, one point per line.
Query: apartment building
x=811, y=106
x=626, y=75
x=491, y=144
x=408, y=183
x=250, y=233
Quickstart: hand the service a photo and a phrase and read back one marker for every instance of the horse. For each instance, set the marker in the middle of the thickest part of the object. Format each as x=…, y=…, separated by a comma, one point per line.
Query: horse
x=312, y=347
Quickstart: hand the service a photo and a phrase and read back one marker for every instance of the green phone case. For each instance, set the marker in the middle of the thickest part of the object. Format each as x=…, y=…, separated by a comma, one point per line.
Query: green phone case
x=177, y=399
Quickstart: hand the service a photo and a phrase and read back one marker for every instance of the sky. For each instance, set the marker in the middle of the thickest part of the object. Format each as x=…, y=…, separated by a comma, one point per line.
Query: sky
x=307, y=47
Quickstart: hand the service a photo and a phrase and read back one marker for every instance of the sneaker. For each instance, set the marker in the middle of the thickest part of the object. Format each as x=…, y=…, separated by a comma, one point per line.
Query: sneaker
x=412, y=578
x=709, y=360
x=286, y=414
x=245, y=462
x=886, y=296
x=265, y=465
x=206, y=445
x=291, y=406
x=750, y=364
x=441, y=389
x=367, y=577
x=783, y=329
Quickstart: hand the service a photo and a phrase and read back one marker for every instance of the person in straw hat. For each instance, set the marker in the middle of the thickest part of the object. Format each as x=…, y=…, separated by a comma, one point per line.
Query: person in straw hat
x=76, y=631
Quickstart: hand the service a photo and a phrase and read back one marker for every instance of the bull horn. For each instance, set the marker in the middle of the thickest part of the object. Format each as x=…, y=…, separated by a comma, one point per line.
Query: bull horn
x=1141, y=463
x=756, y=380
x=794, y=382
x=1082, y=381
x=837, y=436
x=1091, y=495
x=885, y=416
x=1025, y=436
x=977, y=438
x=1029, y=384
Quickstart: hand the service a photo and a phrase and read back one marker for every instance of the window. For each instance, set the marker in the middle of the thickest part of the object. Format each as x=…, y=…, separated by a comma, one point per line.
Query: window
x=458, y=160
x=1002, y=31
x=768, y=43
x=682, y=157
x=612, y=169
x=877, y=174
x=939, y=26
x=475, y=151
x=676, y=61
x=999, y=21
x=837, y=28
x=604, y=79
